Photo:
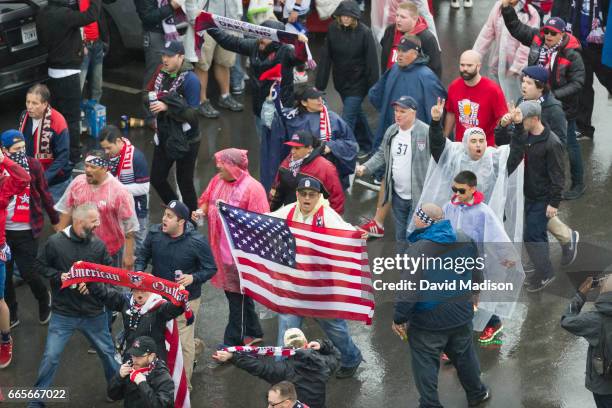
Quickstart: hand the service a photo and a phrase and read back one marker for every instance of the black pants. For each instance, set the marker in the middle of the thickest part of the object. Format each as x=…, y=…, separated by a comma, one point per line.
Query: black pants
x=591, y=56
x=243, y=320
x=603, y=401
x=66, y=98
x=185, y=168
x=24, y=248
x=426, y=347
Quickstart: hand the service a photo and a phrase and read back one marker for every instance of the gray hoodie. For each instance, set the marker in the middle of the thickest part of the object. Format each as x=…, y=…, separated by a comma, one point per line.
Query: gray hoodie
x=588, y=325
x=420, y=158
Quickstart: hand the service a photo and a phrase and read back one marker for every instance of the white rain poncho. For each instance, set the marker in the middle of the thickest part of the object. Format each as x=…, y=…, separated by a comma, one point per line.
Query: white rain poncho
x=501, y=258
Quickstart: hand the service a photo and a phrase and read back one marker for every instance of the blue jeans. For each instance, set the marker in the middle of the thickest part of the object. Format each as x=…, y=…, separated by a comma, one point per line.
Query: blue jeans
x=575, y=154
x=92, y=68
x=536, y=238
x=141, y=234
x=335, y=329
x=2, y=278
x=603, y=400
x=353, y=115
x=61, y=328
x=57, y=190
x=236, y=74
x=426, y=347
x=402, y=209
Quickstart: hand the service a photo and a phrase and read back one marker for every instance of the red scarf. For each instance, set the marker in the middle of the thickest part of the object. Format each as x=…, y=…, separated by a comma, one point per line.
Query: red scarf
x=41, y=137
x=318, y=219
x=21, y=212
x=324, y=125
x=126, y=157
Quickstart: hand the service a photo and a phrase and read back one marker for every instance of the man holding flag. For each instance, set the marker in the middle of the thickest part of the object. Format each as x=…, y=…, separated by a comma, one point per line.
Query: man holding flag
x=283, y=264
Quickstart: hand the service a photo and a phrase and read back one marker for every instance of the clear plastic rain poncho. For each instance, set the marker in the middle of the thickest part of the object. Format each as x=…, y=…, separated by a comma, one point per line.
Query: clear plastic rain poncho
x=504, y=196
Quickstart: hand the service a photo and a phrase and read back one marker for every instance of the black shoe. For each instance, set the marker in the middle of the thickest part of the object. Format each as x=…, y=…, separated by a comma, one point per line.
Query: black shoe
x=477, y=402
x=238, y=90
x=575, y=192
x=347, y=372
x=228, y=102
x=584, y=135
x=14, y=322
x=362, y=154
x=529, y=268
x=538, y=285
x=570, y=250
x=44, y=310
x=207, y=110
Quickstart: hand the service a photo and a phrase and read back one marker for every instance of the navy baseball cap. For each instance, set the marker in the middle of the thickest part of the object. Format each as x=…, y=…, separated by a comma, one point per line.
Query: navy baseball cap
x=179, y=209
x=555, y=24
x=406, y=44
x=311, y=93
x=172, y=48
x=142, y=345
x=309, y=183
x=301, y=138
x=407, y=102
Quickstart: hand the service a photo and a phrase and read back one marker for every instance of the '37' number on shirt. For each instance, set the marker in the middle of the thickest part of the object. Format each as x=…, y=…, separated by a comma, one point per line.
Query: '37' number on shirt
x=402, y=148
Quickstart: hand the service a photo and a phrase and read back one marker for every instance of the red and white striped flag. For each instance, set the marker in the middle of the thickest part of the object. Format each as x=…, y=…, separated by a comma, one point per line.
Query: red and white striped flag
x=300, y=269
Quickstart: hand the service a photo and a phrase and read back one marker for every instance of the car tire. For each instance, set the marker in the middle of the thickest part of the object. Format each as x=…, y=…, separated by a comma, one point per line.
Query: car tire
x=117, y=51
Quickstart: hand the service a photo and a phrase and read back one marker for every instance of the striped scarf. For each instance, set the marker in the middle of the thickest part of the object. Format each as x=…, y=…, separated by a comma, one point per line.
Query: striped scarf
x=261, y=351
x=324, y=125
x=546, y=55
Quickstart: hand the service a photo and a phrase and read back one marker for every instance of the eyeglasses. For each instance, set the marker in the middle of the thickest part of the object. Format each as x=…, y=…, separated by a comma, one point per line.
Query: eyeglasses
x=308, y=194
x=546, y=31
x=458, y=190
x=272, y=404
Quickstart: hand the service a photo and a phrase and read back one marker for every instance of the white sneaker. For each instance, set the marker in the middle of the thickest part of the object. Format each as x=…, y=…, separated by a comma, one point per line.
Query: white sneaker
x=299, y=77
x=455, y=4
x=467, y=4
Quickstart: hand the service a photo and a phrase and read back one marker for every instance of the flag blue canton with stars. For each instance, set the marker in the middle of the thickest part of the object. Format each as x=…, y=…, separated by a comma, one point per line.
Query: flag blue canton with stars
x=258, y=234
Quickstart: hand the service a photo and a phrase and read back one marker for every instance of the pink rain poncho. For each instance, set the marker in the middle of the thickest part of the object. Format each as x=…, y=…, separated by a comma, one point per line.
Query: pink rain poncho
x=244, y=192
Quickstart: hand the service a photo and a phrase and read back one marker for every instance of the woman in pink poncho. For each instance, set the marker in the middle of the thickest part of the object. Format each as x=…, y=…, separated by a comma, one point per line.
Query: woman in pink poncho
x=235, y=186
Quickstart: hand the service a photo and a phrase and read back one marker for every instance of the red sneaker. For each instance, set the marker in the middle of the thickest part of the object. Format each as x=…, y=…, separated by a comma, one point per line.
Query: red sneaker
x=251, y=341
x=489, y=333
x=6, y=353
x=373, y=229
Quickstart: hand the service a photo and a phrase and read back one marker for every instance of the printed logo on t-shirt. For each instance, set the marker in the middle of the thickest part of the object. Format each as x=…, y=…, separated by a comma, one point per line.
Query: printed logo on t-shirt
x=468, y=113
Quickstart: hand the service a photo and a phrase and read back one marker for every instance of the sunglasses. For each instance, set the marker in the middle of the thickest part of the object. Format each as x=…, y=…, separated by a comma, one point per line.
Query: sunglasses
x=458, y=190
x=546, y=31
x=273, y=404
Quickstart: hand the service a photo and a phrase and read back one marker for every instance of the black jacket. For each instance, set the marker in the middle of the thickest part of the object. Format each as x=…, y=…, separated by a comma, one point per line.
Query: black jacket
x=308, y=370
x=56, y=256
x=429, y=46
x=351, y=53
x=544, y=164
x=567, y=76
x=59, y=30
x=189, y=253
x=156, y=392
x=151, y=15
x=152, y=323
x=261, y=61
x=553, y=117
x=588, y=325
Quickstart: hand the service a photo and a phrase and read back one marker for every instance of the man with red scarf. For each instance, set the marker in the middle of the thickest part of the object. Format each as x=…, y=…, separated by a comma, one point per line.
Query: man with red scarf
x=129, y=165
x=47, y=139
x=24, y=224
x=13, y=180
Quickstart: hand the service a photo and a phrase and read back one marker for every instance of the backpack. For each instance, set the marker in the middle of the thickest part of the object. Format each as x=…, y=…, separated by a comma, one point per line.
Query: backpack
x=601, y=357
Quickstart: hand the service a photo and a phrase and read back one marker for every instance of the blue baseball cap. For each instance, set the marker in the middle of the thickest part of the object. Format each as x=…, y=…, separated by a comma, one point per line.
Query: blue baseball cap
x=179, y=209
x=10, y=137
x=407, y=102
x=309, y=183
x=172, y=48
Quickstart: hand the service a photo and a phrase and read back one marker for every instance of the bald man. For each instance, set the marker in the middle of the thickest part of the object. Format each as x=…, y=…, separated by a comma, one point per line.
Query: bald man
x=439, y=320
x=473, y=100
x=589, y=325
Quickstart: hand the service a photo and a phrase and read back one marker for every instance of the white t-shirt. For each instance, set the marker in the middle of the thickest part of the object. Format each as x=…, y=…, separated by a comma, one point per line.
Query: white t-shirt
x=401, y=167
x=35, y=124
x=14, y=226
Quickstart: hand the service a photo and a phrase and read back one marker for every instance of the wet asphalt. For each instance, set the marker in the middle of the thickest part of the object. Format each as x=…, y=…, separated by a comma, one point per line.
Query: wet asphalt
x=537, y=364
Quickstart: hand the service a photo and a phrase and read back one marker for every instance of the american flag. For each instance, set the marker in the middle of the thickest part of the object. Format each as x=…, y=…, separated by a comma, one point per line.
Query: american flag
x=300, y=269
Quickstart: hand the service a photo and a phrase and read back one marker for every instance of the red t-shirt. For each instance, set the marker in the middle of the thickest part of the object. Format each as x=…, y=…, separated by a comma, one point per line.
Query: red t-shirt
x=90, y=31
x=393, y=54
x=480, y=106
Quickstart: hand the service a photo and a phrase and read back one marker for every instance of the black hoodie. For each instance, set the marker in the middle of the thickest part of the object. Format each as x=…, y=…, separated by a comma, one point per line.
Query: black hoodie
x=61, y=250
x=352, y=54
